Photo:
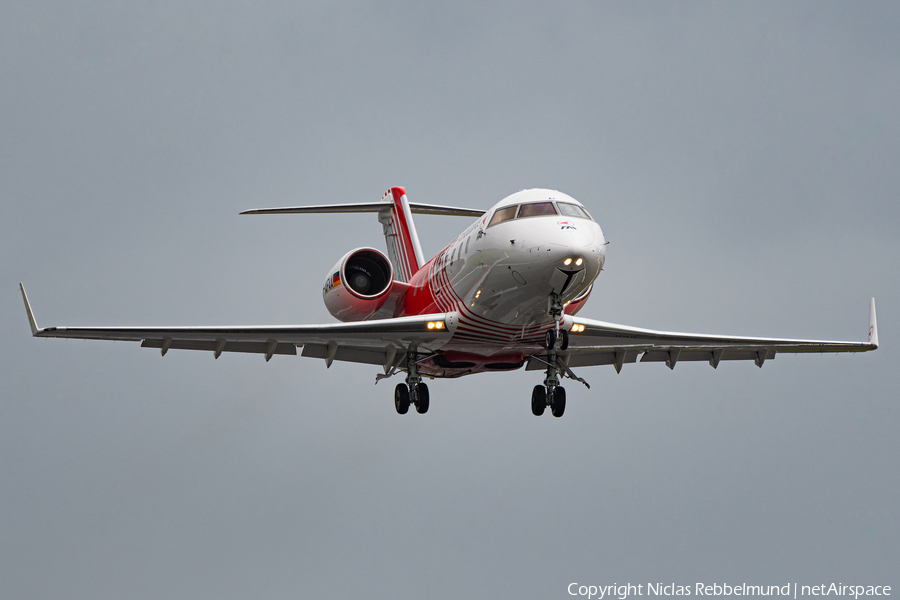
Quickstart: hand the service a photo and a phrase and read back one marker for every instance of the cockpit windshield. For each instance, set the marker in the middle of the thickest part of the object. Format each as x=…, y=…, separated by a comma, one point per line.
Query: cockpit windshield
x=504, y=214
x=573, y=210
x=537, y=209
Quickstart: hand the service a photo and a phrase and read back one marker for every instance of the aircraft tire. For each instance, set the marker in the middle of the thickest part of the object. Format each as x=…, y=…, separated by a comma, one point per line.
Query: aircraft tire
x=564, y=339
x=401, y=398
x=549, y=339
x=422, y=399
x=538, y=400
x=558, y=403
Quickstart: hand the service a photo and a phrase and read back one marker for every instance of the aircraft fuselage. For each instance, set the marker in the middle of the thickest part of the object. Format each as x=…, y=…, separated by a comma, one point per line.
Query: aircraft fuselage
x=499, y=275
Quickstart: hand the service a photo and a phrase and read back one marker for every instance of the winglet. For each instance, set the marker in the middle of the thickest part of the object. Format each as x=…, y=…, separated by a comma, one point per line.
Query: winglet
x=873, y=326
x=31, y=321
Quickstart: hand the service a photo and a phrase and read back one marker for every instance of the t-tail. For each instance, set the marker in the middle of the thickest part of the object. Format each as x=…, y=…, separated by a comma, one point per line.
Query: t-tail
x=400, y=235
x=395, y=215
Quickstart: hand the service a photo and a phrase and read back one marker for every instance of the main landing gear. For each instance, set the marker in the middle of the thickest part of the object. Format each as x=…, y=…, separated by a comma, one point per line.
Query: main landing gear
x=557, y=400
x=404, y=395
x=414, y=391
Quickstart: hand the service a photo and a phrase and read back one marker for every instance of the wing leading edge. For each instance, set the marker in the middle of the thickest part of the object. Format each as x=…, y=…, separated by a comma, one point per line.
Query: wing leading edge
x=601, y=343
x=382, y=342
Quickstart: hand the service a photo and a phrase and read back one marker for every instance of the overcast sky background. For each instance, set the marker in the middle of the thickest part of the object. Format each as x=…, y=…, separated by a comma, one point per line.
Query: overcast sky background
x=742, y=160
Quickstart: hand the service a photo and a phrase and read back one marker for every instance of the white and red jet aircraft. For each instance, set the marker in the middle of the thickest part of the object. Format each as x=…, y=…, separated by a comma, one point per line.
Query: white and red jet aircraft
x=502, y=295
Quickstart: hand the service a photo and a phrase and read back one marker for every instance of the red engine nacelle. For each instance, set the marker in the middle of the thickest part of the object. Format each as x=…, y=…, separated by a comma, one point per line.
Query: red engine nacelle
x=358, y=285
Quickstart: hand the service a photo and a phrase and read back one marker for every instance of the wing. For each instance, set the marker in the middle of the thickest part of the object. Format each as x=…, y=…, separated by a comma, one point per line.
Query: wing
x=599, y=343
x=383, y=342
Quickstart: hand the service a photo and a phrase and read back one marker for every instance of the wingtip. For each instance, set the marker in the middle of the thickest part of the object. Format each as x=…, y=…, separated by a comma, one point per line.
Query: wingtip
x=873, y=324
x=31, y=321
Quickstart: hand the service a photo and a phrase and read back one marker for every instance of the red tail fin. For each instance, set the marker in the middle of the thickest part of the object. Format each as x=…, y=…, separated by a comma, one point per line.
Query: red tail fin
x=400, y=234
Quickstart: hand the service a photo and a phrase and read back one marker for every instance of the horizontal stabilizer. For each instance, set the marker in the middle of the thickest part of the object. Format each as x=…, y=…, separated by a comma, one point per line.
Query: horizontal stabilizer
x=415, y=207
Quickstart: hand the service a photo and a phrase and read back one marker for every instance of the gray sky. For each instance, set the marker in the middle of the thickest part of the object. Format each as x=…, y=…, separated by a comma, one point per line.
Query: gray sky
x=741, y=158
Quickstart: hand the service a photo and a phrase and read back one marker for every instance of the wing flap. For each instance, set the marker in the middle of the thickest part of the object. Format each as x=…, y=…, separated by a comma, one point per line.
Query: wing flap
x=355, y=354
x=248, y=347
x=589, y=358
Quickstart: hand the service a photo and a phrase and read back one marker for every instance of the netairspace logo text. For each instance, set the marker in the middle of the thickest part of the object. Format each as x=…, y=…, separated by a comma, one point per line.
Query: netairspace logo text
x=791, y=590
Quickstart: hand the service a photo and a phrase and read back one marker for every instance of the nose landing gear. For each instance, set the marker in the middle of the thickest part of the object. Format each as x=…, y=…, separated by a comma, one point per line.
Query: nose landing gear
x=551, y=393
x=551, y=336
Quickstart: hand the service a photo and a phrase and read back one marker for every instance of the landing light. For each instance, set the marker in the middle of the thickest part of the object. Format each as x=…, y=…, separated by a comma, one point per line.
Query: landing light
x=579, y=261
x=435, y=324
x=576, y=328
x=567, y=262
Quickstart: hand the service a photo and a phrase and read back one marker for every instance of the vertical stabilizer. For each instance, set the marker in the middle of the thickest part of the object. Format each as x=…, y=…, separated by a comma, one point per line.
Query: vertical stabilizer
x=873, y=325
x=403, y=246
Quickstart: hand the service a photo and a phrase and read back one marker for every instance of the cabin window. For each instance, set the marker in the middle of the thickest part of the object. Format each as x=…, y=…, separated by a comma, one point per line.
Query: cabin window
x=503, y=214
x=536, y=209
x=573, y=210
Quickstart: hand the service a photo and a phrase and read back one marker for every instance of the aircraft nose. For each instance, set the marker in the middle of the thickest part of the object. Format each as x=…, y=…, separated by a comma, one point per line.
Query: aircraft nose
x=579, y=257
x=579, y=248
